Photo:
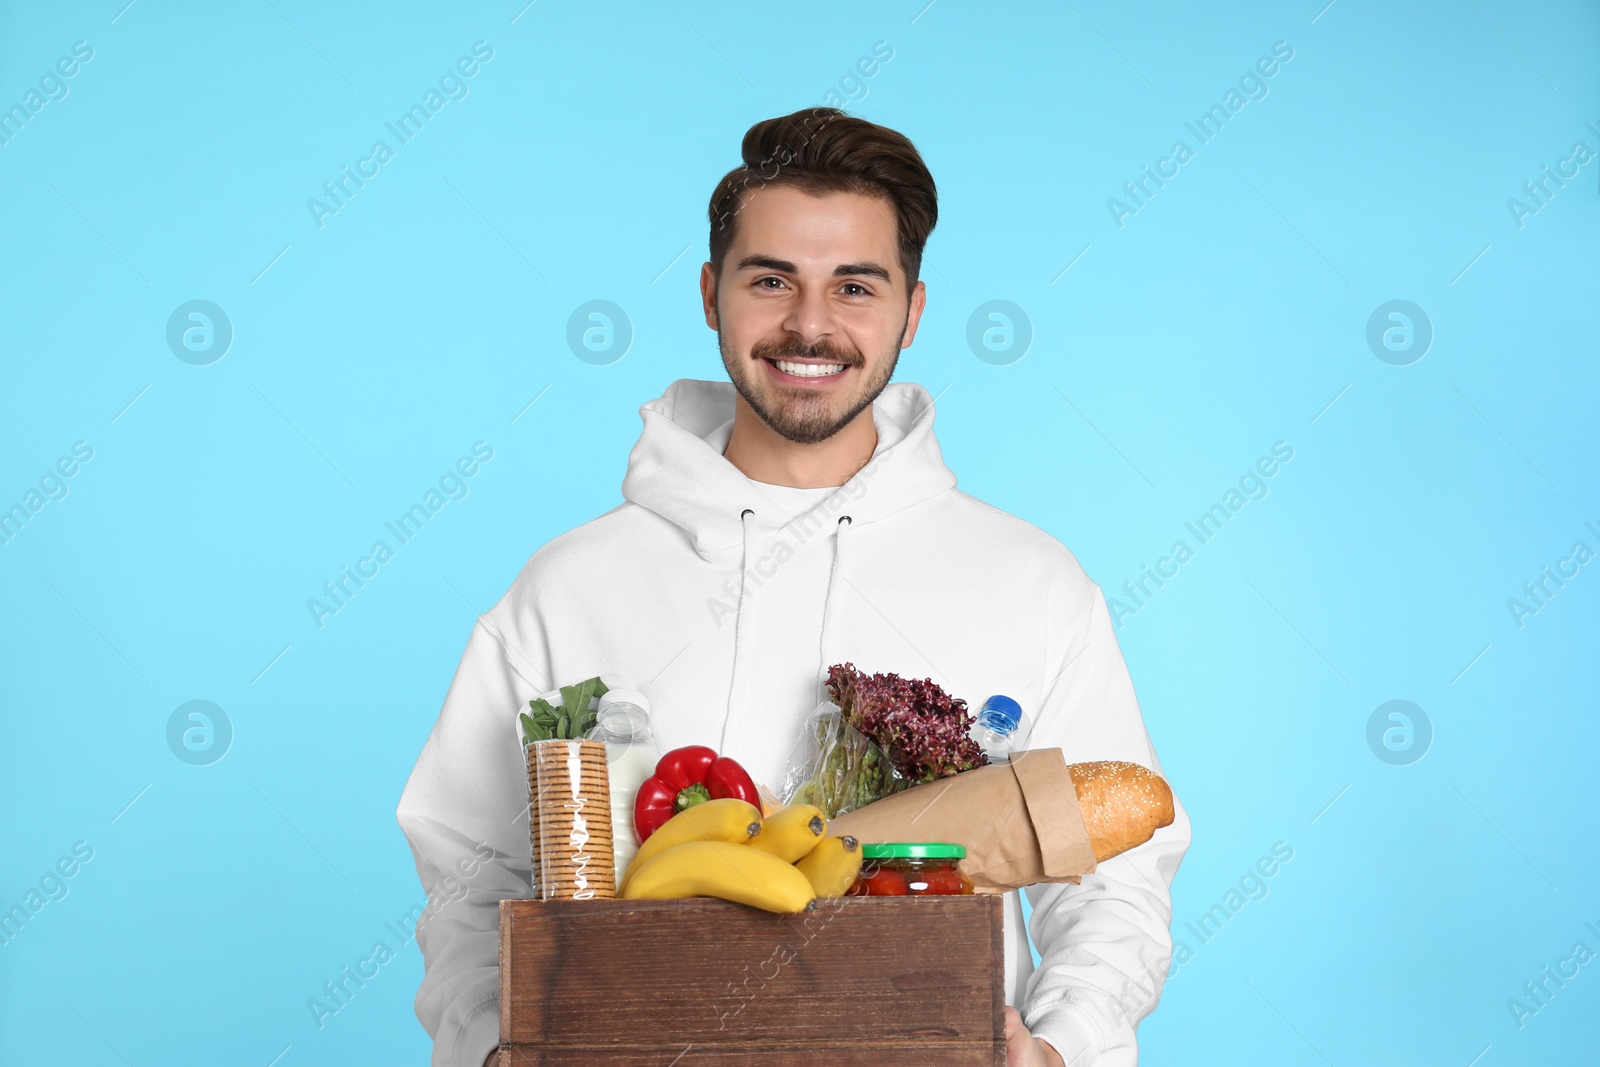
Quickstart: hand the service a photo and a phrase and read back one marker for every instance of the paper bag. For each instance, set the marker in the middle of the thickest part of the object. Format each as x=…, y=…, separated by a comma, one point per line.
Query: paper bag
x=1020, y=821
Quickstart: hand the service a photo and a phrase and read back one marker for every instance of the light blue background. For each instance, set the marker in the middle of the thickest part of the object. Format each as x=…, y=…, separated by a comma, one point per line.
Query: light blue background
x=1229, y=313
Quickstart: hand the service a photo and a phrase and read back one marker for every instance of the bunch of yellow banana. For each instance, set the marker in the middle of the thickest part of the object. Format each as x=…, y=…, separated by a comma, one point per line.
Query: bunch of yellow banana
x=724, y=848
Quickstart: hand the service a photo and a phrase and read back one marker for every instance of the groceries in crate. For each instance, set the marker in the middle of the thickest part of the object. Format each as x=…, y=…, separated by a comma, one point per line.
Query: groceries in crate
x=868, y=768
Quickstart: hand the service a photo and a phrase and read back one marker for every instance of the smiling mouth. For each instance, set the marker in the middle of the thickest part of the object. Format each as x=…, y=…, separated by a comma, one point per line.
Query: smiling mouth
x=809, y=370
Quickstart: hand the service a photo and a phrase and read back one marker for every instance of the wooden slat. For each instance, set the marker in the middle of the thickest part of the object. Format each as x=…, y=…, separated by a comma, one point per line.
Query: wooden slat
x=864, y=1054
x=858, y=982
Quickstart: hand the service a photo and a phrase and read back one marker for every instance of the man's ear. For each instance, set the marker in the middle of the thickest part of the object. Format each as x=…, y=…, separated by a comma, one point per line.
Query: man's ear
x=919, y=299
x=708, y=294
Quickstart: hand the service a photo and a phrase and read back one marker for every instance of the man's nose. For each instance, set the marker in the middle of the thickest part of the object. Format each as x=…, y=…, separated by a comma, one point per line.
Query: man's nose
x=810, y=316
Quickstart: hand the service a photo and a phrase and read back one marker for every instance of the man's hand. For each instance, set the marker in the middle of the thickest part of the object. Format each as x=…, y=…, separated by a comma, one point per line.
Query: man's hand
x=1025, y=1050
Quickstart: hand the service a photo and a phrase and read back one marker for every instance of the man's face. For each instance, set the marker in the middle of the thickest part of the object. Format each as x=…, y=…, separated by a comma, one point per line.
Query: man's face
x=811, y=310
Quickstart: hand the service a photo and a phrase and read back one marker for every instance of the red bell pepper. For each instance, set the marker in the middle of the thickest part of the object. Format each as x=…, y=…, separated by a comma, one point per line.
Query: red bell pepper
x=685, y=777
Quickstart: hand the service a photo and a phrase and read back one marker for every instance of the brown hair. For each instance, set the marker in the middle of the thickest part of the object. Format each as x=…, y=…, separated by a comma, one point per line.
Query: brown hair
x=820, y=151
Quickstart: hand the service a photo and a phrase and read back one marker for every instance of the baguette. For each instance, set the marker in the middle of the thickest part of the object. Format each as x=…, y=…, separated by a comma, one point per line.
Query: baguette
x=1014, y=820
x=1123, y=804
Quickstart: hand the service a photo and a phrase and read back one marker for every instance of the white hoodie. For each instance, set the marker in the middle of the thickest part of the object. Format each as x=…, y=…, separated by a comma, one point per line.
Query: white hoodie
x=708, y=592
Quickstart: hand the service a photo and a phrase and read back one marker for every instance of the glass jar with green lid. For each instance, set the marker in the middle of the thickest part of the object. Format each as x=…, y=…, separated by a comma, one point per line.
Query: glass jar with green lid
x=911, y=869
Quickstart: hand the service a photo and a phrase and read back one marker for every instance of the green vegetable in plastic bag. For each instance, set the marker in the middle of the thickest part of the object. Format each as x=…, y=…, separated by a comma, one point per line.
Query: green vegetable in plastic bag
x=571, y=720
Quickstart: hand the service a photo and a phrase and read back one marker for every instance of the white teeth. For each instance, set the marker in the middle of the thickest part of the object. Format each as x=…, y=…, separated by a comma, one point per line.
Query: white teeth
x=809, y=370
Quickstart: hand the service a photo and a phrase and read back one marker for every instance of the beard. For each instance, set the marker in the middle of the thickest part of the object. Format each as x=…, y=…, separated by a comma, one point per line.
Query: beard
x=796, y=413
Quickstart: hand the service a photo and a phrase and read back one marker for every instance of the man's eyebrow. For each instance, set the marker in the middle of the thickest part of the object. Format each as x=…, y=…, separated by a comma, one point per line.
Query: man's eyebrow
x=843, y=270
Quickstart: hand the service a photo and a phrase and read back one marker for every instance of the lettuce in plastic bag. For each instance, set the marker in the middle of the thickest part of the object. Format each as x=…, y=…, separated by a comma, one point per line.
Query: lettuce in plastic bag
x=836, y=767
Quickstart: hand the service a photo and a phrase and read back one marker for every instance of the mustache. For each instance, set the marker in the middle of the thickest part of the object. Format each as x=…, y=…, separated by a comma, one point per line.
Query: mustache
x=820, y=353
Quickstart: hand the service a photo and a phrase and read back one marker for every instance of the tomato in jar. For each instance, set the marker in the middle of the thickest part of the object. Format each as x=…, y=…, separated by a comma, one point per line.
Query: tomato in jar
x=912, y=868
x=880, y=881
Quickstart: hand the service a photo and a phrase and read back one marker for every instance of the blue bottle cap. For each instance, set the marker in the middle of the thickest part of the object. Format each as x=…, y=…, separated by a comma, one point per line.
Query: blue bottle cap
x=1001, y=710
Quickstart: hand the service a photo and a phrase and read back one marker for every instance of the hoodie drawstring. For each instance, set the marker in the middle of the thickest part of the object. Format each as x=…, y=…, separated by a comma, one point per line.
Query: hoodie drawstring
x=738, y=626
x=845, y=521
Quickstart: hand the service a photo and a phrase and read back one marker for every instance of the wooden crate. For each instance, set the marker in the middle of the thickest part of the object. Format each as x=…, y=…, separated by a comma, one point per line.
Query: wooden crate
x=858, y=982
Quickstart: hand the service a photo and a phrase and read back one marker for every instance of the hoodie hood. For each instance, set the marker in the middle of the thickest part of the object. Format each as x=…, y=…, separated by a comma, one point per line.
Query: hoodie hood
x=677, y=469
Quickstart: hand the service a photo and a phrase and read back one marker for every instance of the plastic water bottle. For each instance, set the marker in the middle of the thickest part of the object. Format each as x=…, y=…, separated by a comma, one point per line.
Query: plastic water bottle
x=623, y=723
x=1000, y=726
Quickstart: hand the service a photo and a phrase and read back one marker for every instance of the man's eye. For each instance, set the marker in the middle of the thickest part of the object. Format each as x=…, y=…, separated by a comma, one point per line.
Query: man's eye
x=849, y=288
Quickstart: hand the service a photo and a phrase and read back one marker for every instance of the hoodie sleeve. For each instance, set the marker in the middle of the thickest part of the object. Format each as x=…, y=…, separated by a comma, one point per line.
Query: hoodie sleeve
x=466, y=800
x=1105, y=944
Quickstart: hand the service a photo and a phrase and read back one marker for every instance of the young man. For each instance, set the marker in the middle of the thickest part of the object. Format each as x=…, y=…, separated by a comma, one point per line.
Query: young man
x=798, y=517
